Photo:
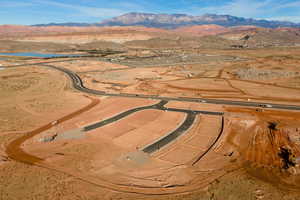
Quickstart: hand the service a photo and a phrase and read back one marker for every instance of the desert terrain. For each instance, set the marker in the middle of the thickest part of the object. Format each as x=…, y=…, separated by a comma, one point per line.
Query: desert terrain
x=200, y=112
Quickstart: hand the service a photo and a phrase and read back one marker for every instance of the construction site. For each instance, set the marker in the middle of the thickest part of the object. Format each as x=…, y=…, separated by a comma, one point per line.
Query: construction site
x=124, y=120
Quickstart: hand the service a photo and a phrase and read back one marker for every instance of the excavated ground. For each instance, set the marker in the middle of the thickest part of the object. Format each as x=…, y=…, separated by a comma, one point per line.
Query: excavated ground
x=246, y=154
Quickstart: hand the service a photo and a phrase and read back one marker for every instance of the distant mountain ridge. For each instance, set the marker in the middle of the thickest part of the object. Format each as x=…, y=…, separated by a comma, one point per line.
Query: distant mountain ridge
x=71, y=24
x=178, y=20
x=172, y=21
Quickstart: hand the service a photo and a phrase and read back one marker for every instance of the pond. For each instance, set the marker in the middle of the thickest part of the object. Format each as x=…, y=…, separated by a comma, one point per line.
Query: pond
x=38, y=55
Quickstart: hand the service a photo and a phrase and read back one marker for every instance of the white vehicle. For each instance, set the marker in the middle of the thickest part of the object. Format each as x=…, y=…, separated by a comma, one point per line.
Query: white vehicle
x=265, y=106
x=54, y=123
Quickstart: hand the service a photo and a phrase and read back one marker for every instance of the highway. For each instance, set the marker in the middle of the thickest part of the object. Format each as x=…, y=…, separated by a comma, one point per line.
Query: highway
x=190, y=114
x=16, y=152
x=78, y=84
x=161, y=142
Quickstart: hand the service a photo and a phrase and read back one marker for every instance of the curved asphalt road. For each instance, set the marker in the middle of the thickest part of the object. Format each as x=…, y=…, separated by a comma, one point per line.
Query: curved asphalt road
x=188, y=122
x=191, y=114
x=78, y=84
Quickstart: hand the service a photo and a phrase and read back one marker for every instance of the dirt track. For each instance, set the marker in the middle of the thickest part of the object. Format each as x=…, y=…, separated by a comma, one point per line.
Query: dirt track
x=14, y=149
x=102, y=160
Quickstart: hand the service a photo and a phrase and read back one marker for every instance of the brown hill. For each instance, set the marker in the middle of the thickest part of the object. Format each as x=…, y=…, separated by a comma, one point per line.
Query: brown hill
x=61, y=34
x=212, y=29
x=203, y=29
x=264, y=37
x=192, y=36
x=12, y=30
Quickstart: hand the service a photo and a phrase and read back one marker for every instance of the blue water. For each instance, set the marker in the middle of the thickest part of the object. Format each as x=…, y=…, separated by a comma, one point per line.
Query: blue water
x=38, y=55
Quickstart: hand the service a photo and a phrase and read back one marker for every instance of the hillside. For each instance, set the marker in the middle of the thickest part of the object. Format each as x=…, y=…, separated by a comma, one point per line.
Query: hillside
x=203, y=29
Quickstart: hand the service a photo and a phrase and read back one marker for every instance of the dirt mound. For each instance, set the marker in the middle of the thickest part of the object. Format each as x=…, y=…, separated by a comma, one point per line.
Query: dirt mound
x=269, y=147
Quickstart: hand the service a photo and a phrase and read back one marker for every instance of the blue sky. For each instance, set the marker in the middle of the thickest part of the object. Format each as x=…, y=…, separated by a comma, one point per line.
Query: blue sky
x=45, y=11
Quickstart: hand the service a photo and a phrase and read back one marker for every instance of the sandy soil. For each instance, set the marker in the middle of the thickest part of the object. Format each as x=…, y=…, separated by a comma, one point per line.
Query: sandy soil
x=28, y=93
x=27, y=102
x=211, y=80
x=114, y=163
x=248, y=154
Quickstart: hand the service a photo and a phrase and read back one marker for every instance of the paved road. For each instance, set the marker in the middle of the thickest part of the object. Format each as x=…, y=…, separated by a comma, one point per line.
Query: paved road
x=162, y=142
x=33, y=64
x=78, y=84
x=188, y=122
x=155, y=146
x=191, y=114
x=122, y=115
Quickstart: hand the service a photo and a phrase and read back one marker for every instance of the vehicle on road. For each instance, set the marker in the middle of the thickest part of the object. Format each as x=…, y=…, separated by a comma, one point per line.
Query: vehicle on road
x=265, y=105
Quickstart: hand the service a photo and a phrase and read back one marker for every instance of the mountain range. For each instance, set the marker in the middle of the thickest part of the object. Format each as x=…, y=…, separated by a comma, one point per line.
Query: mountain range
x=172, y=21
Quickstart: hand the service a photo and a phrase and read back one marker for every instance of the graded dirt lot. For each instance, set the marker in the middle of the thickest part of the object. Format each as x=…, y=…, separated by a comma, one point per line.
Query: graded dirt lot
x=140, y=124
x=277, y=80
